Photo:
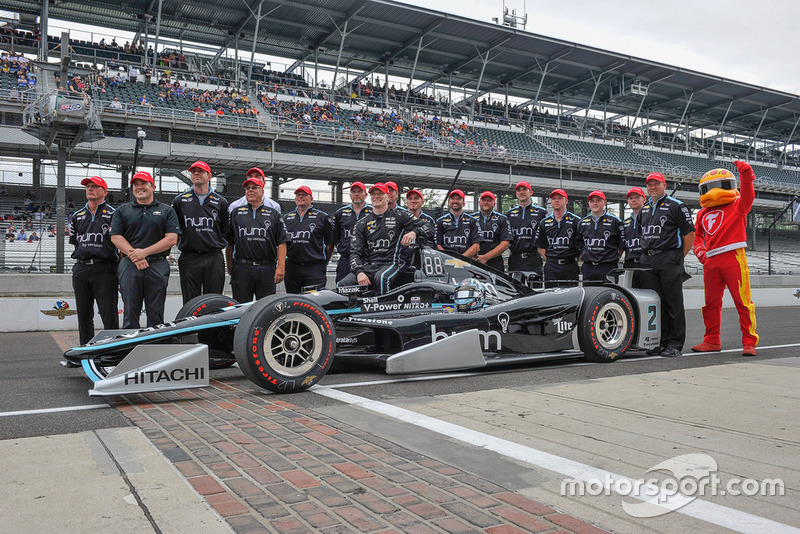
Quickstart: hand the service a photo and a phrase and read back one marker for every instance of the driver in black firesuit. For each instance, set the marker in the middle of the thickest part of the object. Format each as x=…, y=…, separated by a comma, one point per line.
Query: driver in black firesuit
x=377, y=240
x=555, y=239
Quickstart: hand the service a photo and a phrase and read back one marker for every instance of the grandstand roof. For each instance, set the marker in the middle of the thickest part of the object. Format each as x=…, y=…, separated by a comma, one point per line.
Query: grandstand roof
x=381, y=31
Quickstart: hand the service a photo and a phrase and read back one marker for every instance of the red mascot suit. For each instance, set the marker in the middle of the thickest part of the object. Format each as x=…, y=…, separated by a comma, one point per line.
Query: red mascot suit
x=719, y=243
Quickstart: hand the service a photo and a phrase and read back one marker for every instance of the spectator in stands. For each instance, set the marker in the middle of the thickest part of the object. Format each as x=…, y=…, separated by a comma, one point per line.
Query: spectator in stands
x=599, y=239
x=22, y=236
x=133, y=73
x=144, y=230
x=667, y=236
x=116, y=105
x=311, y=246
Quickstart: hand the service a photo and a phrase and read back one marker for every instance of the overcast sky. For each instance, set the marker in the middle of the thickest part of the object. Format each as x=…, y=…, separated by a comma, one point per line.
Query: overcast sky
x=747, y=41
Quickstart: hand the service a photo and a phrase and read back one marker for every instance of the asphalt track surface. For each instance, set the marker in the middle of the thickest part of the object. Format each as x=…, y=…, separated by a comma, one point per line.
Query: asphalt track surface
x=32, y=382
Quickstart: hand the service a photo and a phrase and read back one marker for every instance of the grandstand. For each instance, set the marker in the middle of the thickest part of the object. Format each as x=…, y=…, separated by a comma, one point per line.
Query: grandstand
x=396, y=109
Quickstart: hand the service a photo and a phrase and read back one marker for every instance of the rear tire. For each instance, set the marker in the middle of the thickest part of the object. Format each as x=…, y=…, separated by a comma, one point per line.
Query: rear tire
x=285, y=343
x=606, y=324
x=219, y=340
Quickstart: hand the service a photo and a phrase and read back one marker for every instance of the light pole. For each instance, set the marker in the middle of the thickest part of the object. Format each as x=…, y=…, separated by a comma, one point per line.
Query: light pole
x=140, y=135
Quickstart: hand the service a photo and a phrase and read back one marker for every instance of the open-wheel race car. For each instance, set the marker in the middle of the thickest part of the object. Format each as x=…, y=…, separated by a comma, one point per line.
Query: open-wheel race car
x=451, y=313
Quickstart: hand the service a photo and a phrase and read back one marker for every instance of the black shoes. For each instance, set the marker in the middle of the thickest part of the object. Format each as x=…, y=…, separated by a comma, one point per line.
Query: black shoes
x=670, y=352
x=655, y=352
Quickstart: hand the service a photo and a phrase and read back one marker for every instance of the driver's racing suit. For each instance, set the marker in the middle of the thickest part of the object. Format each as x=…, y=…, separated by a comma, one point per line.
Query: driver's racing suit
x=375, y=247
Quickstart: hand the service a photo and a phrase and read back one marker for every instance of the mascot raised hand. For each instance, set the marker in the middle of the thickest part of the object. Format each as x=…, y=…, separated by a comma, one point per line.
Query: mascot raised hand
x=719, y=243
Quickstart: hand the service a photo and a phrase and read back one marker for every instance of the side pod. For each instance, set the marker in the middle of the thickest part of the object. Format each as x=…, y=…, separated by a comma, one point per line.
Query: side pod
x=154, y=368
x=459, y=351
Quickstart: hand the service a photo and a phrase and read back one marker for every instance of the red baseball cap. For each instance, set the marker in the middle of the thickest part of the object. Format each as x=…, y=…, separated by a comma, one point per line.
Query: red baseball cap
x=358, y=184
x=254, y=169
x=305, y=189
x=202, y=164
x=96, y=180
x=253, y=180
x=143, y=175
x=392, y=185
x=523, y=183
x=488, y=194
x=655, y=176
x=458, y=192
x=415, y=192
x=380, y=187
x=597, y=193
x=636, y=191
x=558, y=192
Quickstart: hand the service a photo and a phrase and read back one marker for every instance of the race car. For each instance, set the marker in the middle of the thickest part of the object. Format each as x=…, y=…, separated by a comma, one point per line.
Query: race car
x=451, y=313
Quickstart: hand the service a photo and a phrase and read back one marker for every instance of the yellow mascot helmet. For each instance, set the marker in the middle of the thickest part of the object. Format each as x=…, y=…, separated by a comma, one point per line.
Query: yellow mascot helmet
x=717, y=188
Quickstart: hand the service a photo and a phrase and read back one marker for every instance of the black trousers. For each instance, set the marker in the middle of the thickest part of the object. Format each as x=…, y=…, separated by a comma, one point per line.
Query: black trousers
x=305, y=275
x=560, y=275
x=248, y=281
x=531, y=263
x=95, y=283
x=665, y=278
x=342, y=268
x=148, y=286
x=201, y=274
x=597, y=272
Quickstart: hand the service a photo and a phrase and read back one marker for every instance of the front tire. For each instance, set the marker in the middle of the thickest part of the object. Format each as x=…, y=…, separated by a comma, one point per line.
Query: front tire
x=606, y=325
x=219, y=340
x=285, y=344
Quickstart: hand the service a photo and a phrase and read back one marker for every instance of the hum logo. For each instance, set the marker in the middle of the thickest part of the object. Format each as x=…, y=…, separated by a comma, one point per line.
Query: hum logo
x=486, y=337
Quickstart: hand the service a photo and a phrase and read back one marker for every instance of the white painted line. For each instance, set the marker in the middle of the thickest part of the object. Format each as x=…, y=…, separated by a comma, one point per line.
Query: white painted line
x=712, y=513
x=55, y=410
x=500, y=370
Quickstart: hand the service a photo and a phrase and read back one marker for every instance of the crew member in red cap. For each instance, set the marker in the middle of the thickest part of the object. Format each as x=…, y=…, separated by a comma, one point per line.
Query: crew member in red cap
x=720, y=246
x=556, y=238
x=632, y=231
x=394, y=195
x=203, y=216
x=495, y=230
x=257, y=251
x=255, y=172
x=94, y=275
x=667, y=236
x=144, y=230
x=457, y=231
x=599, y=239
x=311, y=246
x=524, y=219
x=414, y=201
x=344, y=220
x=377, y=240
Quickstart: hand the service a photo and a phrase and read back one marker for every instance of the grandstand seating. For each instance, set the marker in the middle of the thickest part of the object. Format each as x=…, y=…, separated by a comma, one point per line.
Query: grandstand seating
x=599, y=151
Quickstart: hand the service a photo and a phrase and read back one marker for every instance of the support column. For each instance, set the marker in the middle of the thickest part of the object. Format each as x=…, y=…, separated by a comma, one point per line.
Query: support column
x=37, y=172
x=275, y=188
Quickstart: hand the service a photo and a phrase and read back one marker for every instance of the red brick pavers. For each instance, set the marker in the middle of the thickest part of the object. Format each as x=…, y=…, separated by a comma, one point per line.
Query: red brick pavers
x=266, y=465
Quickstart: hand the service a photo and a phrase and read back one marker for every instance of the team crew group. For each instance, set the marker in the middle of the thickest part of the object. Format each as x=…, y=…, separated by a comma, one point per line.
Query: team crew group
x=376, y=243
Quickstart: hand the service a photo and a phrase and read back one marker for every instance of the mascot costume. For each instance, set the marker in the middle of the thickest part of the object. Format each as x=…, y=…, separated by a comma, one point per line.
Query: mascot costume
x=719, y=243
